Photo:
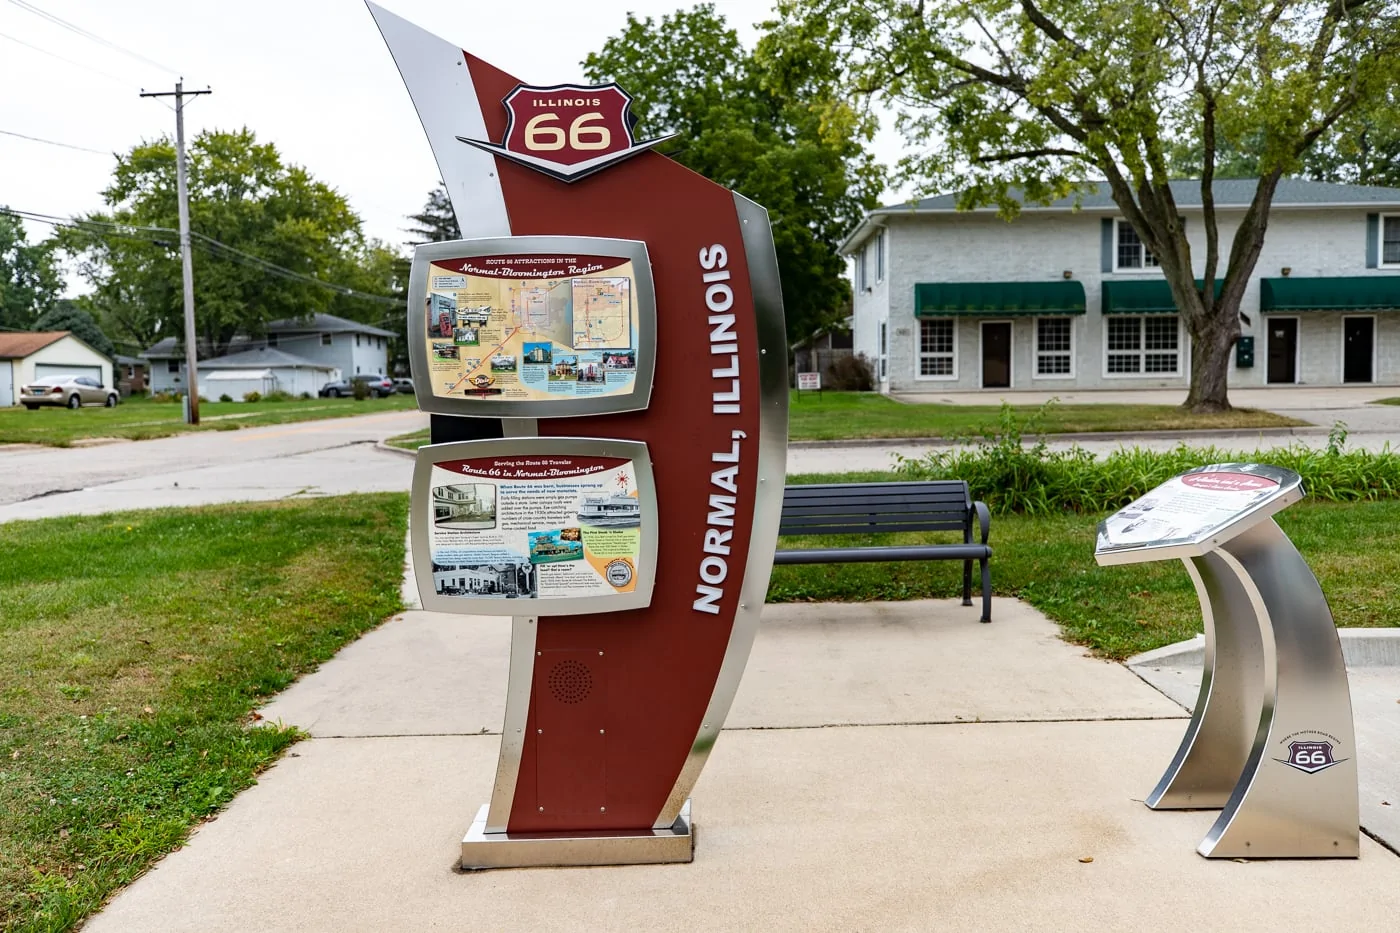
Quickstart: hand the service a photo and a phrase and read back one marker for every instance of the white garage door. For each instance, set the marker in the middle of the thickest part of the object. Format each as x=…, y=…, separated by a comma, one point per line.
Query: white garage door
x=7, y=384
x=58, y=369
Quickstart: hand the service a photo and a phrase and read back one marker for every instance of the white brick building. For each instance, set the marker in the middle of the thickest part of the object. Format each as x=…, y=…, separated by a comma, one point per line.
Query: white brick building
x=1063, y=299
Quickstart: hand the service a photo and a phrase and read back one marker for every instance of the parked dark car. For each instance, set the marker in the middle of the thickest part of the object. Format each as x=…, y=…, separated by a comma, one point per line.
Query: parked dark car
x=382, y=386
x=404, y=386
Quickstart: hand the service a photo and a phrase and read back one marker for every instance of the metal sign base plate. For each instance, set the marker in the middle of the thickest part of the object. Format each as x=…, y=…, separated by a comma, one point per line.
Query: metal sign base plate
x=482, y=850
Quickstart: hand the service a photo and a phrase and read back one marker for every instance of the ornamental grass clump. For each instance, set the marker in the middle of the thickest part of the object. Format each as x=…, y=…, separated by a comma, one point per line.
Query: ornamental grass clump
x=1010, y=473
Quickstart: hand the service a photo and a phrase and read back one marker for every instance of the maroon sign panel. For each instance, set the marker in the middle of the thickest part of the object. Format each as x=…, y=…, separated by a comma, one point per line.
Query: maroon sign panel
x=618, y=698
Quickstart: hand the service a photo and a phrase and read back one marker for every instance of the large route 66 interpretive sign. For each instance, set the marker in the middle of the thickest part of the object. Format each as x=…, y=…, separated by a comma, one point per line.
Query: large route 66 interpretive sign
x=1271, y=741
x=604, y=359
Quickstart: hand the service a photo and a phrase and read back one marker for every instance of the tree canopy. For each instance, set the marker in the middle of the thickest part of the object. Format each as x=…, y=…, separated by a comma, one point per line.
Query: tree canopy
x=66, y=314
x=436, y=222
x=1004, y=100
x=30, y=281
x=259, y=228
x=771, y=133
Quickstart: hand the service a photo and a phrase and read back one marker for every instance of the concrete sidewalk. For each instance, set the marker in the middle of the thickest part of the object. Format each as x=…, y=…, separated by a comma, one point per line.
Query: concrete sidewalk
x=886, y=767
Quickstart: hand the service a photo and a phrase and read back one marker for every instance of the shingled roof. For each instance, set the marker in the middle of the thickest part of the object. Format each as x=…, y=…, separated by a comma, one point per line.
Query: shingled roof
x=18, y=346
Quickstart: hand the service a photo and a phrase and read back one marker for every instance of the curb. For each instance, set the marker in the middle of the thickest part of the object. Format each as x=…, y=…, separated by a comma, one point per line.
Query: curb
x=1361, y=647
x=389, y=448
x=1297, y=431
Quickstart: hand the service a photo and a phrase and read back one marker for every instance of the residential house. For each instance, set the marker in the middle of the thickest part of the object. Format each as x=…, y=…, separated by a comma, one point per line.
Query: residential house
x=31, y=355
x=345, y=348
x=261, y=370
x=1066, y=297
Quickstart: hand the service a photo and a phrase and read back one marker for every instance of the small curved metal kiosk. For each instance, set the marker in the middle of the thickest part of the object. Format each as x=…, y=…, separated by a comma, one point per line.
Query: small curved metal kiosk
x=1271, y=739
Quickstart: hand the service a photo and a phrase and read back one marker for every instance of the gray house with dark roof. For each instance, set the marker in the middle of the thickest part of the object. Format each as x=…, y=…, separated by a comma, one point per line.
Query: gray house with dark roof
x=1066, y=297
x=333, y=345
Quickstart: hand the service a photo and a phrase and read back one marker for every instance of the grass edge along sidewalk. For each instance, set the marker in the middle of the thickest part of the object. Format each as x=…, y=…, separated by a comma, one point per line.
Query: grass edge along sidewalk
x=868, y=415
x=143, y=419
x=133, y=648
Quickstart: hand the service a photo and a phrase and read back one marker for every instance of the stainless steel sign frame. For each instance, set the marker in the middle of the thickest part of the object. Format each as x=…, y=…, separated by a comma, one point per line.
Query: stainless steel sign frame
x=1271, y=739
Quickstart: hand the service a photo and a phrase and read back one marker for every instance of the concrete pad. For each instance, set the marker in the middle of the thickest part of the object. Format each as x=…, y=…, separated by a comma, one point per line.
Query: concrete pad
x=1374, y=679
x=813, y=664
x=818, y=664
x=420, y=673
x=950, y=828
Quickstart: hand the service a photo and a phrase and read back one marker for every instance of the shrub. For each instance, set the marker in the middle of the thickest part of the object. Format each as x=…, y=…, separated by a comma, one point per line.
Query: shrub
x=278, y=395
x=305, y=396
x=253, y=397
x=1011, y=475
x=359, y=389
x=166, y=397
x=850, y=374
x=225, y=397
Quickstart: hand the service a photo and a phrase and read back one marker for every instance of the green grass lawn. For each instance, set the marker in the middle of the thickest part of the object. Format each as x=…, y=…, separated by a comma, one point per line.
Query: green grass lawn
x=854, y=415
x=141, y=419
x=843, y=415
x=1354, y=548
x=133, y=648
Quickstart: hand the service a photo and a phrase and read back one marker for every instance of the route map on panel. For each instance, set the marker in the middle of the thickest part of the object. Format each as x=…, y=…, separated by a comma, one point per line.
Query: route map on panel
x=531, y=327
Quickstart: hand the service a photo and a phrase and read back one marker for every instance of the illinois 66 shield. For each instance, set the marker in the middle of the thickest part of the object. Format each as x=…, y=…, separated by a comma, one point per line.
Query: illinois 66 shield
x=568, y=131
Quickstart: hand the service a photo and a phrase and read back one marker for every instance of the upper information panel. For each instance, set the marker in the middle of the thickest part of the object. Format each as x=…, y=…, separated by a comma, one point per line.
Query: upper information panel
x=1195, y=512
x=532, y=327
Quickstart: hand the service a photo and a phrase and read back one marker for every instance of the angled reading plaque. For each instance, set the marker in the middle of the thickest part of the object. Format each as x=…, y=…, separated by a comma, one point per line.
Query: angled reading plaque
x=524, y=526
x=532, y=326
x=1195, y=512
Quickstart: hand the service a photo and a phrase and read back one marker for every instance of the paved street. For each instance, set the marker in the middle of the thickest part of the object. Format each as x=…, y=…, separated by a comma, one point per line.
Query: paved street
x=339, y=456
x=309, y=458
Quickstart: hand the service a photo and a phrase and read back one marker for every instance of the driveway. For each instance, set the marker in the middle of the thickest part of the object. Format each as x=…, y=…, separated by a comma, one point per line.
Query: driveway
x=306, y=458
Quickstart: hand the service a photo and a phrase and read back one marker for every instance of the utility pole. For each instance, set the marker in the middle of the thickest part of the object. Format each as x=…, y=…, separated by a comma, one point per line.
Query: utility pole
x=186, y=260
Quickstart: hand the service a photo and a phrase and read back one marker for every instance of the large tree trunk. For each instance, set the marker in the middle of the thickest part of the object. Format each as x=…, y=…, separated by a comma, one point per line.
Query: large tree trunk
x=1210, y=365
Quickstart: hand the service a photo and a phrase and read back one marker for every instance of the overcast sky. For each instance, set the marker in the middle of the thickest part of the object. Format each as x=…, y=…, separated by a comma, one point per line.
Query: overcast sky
x=312, y=76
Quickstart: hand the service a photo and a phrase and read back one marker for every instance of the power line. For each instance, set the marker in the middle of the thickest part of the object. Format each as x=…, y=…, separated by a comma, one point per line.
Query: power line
x=233, y=254
x=30, y=45
x=53, y=142
x=86, y=34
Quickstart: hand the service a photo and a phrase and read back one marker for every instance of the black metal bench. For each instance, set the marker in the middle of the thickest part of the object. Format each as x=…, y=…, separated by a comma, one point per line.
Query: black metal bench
x=871, y=508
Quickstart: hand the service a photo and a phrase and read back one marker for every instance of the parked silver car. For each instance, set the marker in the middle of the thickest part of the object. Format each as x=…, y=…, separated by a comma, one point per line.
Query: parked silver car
x=70, y=391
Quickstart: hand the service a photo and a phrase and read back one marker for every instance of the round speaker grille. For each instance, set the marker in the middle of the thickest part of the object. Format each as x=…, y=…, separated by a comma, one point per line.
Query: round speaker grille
x=570, y=681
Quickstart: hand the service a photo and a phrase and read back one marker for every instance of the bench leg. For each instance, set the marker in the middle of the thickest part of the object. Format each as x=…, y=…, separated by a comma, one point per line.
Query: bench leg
x=986, y=592
x=967, y=583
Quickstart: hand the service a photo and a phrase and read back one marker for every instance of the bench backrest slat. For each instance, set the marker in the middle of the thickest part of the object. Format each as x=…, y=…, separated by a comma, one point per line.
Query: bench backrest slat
x=936, y=505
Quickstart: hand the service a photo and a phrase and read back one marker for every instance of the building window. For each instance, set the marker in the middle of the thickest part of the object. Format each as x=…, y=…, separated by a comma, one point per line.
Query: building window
x=325, y=340
x=860, y=270
x=884, y=351
x=357, y=340
x=1390, y=240
x=936, y=347
x=1054, y=349
x=272, y=340
x=880, y=256
x=172, y=366
x=1130, y=251
x=1149, y=345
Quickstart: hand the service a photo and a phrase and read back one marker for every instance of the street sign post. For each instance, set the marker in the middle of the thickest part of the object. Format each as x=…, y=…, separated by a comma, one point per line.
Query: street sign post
x=1271, y=739
x=622, y=317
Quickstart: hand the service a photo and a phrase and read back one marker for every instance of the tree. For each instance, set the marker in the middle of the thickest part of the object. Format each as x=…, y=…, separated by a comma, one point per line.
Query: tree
x=1044, y=93
x=437, y=221
x=29, y=279
x=67, y=315
x=768, y=132
x=248, y=209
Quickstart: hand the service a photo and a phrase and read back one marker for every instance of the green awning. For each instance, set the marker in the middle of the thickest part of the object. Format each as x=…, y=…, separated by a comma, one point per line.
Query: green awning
x=1330, y=293
x=1147, y=296
x=937, y=299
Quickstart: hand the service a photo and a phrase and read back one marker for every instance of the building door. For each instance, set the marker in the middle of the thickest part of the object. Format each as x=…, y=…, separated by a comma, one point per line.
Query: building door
x=884, y=353
x=1358, y=348
x=996, y=355
x=1283, y=349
